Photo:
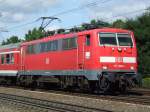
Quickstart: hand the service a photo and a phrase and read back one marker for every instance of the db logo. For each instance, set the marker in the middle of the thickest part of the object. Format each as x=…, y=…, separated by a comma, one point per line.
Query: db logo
x=119, y=59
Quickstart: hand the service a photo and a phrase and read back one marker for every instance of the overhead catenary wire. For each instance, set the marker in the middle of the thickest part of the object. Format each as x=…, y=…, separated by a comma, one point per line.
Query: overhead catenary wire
x=76, y=9
x=3, y=29
x=127, y=13
x=82, y=7
x=79, y=8
x=45, y=24
x=115, y=16
x=62, y=13
x=1, y=1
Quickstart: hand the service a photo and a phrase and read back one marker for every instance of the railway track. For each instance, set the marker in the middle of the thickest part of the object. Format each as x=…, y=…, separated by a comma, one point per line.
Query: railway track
x=141, y=91
x=46, y=105
x=139, y=96
x=136, y=96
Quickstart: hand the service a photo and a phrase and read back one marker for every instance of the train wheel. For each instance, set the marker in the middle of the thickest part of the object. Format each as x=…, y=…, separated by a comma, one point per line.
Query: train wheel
x=123, y=89
x=92, y=86
x=104, y=84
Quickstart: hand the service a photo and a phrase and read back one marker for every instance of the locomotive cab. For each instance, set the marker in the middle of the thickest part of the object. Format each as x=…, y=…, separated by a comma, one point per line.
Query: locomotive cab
x=117, y=51
x=117, y=60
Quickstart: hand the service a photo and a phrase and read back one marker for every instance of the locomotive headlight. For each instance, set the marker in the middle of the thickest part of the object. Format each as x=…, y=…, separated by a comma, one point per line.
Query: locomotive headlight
x=105, y=67
x=132, y=68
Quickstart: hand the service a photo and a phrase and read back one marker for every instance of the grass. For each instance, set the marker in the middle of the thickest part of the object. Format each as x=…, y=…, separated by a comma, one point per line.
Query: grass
x=146, y=82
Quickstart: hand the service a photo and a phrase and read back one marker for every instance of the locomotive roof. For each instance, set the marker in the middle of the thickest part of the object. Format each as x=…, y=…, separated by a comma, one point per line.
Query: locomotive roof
x=58, y=36
x=10, y=46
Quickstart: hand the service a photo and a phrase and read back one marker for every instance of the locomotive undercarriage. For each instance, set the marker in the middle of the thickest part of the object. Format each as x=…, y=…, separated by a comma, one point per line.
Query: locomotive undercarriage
x=61, y=82
x=8, y=80
x=117, y=81
x=107, y=82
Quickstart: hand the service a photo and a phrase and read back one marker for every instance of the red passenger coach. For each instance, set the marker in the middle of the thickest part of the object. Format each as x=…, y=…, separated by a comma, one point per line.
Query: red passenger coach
x=9, y=64
x=99, y=59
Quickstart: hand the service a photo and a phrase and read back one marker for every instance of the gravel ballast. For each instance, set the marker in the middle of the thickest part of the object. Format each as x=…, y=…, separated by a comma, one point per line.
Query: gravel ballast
x=81, y=101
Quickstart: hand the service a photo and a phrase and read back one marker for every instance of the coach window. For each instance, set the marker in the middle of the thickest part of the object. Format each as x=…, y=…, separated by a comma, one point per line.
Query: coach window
x=8, y=59
x=88, y=40
x=2, y=59
x=12, y=58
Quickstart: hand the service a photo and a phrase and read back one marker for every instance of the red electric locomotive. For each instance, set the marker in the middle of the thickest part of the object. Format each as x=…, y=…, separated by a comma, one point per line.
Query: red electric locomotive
x=98, y=59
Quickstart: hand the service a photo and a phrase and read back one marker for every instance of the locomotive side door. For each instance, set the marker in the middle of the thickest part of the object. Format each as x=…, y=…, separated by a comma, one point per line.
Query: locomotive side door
x=83, y=50
x=80, y=52
x=22, y=61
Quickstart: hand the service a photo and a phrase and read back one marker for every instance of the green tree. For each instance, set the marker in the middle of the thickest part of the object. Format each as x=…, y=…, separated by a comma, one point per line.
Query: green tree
x=141, y=28
x=100, y=23
x=60, y=31
x=12, y=39
x=93, y=21
x=34, y=34
x=118, y=24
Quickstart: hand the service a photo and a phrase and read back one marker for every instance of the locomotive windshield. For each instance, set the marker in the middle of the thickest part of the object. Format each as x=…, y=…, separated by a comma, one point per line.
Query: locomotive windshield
x=110, y=39
x=124, y=40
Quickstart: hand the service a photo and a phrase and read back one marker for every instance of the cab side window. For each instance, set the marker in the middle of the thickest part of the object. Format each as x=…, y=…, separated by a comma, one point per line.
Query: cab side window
x=88, y=38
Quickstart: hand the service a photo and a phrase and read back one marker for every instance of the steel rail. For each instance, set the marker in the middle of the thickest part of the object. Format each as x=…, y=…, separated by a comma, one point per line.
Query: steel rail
x=49, y=105
x=133, y=96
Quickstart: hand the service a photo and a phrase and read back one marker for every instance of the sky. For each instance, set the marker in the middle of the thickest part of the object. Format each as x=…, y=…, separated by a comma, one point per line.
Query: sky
x=19, y=16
